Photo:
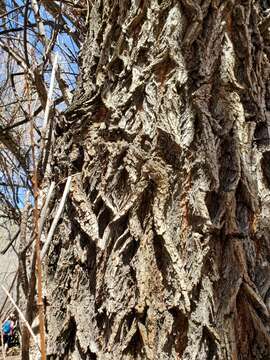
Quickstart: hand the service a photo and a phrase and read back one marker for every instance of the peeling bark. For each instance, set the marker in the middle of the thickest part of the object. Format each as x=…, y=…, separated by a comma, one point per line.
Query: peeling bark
x=163, y=250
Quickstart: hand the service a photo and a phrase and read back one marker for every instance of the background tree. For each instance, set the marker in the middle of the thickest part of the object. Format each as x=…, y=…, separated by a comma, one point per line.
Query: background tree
x=32, y=35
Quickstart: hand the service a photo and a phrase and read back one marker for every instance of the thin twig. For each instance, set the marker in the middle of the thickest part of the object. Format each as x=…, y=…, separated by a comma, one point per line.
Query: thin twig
x=49, y=98
x=25, y=33
x=37, y=248
x=23, y=278
x=43, y=38
x=56, y=219
x=10, y=243
x=45, y=207
x=42, y=215
x=20, y=314
x=11, y=11
x=45, y=144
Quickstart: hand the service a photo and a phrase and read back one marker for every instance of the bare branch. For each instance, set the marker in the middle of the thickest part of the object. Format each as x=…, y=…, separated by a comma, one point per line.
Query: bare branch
x=56, y=218
x=20, y=313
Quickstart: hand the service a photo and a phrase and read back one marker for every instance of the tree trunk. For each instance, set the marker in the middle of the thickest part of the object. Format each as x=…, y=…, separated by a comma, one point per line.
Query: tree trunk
x=163, y=249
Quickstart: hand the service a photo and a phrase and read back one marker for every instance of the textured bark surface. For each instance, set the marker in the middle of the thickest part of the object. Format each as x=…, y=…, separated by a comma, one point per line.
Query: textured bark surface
x=163, y=249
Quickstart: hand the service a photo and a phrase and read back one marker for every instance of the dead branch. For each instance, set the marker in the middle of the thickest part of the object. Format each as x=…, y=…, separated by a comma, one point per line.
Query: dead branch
x=56, y=218
x=20, y=313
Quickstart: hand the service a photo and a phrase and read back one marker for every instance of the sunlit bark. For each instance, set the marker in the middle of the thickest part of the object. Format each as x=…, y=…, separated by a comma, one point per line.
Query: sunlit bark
x=163, y=249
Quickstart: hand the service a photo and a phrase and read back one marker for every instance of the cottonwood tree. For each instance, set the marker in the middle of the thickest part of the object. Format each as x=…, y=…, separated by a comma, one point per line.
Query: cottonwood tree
x=163, y=248
x=162, y=251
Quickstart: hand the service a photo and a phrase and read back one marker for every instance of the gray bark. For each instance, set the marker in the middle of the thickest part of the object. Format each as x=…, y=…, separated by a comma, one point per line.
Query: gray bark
x=163, y=248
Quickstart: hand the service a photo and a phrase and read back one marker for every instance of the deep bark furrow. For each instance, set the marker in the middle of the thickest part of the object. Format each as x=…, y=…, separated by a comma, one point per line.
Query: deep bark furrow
x=163, y=250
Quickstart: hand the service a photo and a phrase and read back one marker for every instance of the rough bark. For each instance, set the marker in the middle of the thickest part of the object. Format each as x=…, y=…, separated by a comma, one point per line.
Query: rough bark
x=163, y=249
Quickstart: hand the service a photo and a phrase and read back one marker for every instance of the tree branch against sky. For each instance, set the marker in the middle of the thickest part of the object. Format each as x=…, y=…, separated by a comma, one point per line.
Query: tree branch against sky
x=31, y=34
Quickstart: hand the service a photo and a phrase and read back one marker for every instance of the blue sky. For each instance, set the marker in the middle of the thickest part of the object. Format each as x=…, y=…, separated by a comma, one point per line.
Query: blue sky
x=68, y=53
